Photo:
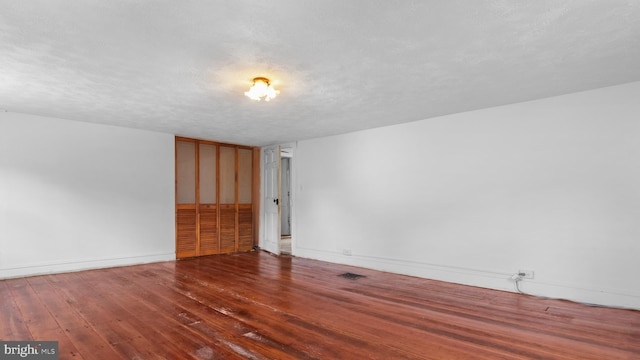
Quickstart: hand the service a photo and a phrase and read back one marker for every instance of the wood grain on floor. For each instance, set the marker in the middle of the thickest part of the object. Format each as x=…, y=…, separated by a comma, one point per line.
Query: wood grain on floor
x=257, y=306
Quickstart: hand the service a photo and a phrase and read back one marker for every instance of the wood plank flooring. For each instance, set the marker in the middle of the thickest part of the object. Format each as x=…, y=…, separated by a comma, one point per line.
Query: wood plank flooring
x=257, y=306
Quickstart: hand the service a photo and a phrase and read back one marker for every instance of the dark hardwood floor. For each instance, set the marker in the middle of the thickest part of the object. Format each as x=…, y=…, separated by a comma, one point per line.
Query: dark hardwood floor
x=257, y=306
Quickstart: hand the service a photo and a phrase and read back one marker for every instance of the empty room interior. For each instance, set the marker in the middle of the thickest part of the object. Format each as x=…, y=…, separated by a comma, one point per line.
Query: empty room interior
x=320, y=179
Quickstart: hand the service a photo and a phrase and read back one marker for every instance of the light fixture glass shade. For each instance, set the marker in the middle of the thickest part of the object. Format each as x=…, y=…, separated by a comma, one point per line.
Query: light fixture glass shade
x=260, y=89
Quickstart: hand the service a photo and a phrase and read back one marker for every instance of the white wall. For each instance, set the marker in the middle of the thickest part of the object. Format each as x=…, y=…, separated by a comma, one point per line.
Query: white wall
x=550, y=185
x=75, y=196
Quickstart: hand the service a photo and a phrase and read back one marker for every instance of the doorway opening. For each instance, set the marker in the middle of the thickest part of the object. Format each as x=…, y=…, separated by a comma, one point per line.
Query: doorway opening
x=285, y=201
x=277, y=214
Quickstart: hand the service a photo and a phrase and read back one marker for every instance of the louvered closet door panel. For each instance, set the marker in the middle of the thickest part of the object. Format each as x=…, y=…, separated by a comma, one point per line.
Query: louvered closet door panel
x=227, y=228
x=186, y=232
x=245, y=171
x=245, y=210
x=186, y=172
x=245, y=227
x=186, y=214
x=208, y=230
x=207, y=199
x=227, y=175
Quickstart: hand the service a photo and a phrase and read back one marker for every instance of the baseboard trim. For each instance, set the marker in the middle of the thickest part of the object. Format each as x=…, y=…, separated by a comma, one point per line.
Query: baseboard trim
x=84, y=264
x=490, y=279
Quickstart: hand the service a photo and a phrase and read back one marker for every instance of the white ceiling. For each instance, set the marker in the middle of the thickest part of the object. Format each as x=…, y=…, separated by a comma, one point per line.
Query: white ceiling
x=181, y=67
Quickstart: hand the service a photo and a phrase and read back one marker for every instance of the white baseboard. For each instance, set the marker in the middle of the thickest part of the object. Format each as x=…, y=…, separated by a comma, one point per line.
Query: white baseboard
x=84, y=264
x=482, y=278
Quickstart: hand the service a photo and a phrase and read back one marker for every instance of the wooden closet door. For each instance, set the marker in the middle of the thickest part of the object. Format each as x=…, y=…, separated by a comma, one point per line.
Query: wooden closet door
x=207, y=196
x=186, y=212
x=214, y=210
x=227, y=177
x=245, y=207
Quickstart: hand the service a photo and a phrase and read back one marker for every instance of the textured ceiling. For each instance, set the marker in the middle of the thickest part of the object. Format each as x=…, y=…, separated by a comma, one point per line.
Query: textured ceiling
x=181, y=67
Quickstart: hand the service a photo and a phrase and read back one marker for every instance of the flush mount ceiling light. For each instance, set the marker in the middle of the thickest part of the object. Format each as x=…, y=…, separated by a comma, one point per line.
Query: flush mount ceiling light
x=261, y=88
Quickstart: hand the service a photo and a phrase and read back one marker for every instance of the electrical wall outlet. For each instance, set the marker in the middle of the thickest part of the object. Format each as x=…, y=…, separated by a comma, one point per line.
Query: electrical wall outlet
x=346, y=252
x=526, y=274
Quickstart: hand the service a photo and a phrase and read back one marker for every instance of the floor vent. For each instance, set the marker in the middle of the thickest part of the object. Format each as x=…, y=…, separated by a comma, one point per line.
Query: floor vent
x=351, y=276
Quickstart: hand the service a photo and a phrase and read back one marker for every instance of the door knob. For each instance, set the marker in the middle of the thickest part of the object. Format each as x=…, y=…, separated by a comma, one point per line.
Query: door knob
x=275, y=201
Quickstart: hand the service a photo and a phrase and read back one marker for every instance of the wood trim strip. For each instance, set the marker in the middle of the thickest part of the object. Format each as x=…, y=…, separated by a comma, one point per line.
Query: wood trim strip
x=197, y=198
x=218, y=194
x=211, y=142
x=256, y=197
x=237, y=191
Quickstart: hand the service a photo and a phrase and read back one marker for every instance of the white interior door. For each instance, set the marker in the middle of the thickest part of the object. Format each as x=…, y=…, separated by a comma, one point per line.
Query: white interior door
x=271, y=199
